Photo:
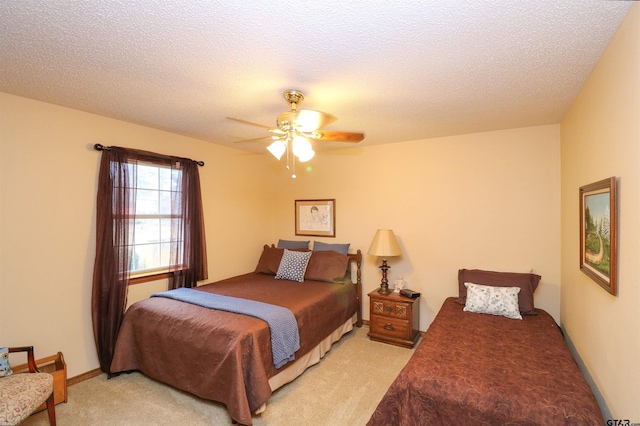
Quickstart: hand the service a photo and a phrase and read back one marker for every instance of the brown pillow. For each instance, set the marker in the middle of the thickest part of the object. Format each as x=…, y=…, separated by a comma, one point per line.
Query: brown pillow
x=527, y=283
x=327, y=266
x=269, y=260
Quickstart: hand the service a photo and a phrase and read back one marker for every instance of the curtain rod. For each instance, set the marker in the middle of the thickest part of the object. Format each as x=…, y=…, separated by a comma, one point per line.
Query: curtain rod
x=100, y=147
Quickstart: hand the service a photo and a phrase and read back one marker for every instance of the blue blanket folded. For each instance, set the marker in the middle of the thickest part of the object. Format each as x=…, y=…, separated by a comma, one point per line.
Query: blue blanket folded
x=285, y=340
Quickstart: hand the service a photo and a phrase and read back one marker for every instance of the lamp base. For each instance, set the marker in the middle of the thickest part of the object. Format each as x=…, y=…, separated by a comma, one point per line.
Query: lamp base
x=384, y=284
x=384, y=290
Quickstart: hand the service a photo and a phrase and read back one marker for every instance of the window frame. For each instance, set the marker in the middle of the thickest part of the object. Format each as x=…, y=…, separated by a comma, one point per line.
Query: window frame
x=155, y=276
x=163, y=272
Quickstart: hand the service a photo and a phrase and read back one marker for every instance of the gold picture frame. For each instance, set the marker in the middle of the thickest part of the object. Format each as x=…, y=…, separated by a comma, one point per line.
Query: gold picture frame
x=598, y=233
x=316, y=218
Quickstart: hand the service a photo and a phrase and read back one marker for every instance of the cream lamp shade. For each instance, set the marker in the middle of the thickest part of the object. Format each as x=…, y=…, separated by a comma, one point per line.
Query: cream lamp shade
x=384, y=245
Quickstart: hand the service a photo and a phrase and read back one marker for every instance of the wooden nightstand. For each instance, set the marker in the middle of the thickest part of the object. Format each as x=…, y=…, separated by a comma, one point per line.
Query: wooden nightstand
x=393, y=319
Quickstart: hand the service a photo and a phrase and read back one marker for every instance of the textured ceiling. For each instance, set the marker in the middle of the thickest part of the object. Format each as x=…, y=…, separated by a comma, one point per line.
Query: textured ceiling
x=396, y=71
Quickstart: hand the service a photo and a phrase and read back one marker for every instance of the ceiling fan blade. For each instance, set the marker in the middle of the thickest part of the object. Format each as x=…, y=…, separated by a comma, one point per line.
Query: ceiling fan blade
x=306, y=120
x=249, y=122
x=330, y=135
x=254, y=139
x=313, y=120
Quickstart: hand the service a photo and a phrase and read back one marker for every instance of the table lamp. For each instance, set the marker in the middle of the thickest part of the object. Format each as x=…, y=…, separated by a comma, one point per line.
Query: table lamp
x=384, y=245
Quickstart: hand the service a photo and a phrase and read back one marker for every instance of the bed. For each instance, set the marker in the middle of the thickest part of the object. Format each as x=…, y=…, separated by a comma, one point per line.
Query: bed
x=476, y=368
x=227, y=357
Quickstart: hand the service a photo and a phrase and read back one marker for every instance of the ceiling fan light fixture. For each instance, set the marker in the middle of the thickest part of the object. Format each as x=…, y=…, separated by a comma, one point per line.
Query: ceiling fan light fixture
x=277, y=149
x=295, y=127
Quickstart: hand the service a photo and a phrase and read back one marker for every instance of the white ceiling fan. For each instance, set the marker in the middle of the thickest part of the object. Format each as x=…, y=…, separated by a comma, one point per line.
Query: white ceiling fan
x=296, y=127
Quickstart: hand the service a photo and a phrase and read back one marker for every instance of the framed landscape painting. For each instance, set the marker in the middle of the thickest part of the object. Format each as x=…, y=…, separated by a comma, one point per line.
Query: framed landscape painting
x=598, y=232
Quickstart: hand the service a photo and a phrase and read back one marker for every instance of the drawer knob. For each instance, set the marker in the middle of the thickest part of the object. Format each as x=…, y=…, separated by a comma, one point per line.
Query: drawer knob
x=389, y=308
x=388, y=326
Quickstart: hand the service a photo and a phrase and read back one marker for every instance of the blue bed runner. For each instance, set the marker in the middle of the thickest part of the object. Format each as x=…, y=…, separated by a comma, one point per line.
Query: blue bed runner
x=285, y=340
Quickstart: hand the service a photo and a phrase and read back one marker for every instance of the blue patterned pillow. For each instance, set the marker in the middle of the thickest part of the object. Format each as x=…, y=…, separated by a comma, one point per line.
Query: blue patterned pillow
x=293, y=265
x=5, y=368
x=484, y=299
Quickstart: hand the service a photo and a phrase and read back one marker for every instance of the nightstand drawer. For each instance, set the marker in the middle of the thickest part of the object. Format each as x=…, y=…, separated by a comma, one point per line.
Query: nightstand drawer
x=391, y=309
x=390, y=327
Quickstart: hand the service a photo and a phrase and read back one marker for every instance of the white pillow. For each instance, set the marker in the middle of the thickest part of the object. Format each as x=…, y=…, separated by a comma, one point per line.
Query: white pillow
x=293, y=265
x=484, y=299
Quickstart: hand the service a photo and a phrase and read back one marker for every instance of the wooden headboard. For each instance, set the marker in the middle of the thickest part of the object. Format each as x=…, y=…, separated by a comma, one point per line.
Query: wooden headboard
x=357, y=259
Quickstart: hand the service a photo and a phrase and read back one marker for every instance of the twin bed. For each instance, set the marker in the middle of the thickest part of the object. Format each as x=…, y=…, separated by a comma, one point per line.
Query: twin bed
x=474, y=368
x=470, y=367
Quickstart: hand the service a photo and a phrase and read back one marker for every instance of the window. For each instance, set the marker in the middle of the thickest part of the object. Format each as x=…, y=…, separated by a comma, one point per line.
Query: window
x=150, y=231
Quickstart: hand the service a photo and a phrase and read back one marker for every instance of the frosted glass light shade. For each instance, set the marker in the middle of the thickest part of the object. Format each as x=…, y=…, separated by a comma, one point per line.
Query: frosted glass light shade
x=306, y=156
x=301, y=146
x=277, y=149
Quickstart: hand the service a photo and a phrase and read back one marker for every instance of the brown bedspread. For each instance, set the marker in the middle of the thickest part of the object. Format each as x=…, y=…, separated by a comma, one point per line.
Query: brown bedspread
x=224, y=356
x=480, y=369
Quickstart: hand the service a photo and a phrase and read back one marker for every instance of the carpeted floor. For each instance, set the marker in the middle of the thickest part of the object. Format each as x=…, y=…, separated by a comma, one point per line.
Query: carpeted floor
x=343, y=389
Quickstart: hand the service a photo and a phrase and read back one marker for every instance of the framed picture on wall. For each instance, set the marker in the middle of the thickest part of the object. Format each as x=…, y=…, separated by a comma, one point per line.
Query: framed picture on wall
x=316, y=217
x=598, y=232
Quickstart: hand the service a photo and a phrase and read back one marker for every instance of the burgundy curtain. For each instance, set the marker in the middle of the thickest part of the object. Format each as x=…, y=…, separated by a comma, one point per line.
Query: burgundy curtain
x=190, y=241
x=115, y=201
x=115, y=211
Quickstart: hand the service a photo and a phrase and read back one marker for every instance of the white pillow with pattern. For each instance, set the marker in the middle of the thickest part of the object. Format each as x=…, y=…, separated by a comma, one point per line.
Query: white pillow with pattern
x=484, y=299
x=293, y=265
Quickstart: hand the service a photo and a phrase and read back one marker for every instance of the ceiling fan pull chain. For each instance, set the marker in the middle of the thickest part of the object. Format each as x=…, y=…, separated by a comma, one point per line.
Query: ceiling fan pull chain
x=288, y=152
x=293, y=159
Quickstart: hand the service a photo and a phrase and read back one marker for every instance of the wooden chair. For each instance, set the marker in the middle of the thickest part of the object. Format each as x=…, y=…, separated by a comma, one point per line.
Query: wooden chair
x=22, y=393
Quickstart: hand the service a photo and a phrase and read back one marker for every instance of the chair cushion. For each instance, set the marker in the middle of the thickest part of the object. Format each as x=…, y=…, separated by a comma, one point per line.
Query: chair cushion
x=21, y=394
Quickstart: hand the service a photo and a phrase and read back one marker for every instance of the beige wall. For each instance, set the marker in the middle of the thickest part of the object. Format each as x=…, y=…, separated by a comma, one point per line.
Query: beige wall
x=48, y=172
x=488, y=200
x=601, y=138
